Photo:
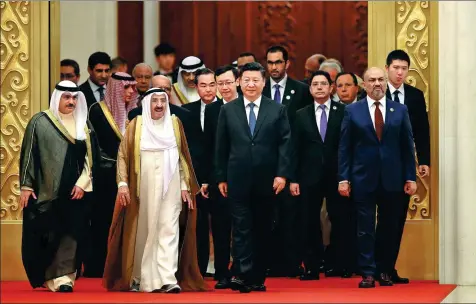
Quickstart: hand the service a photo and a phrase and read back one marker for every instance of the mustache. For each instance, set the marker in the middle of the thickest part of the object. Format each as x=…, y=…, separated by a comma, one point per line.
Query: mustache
x=70, y=105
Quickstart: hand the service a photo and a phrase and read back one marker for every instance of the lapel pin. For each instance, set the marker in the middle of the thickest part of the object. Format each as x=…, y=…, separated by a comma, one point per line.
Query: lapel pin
x=292, y=91
x=334, y=108
x=288, y=97
x=391, y=110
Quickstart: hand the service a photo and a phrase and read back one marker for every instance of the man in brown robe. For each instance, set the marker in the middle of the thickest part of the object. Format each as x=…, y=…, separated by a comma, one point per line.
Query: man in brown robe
x=169, y=178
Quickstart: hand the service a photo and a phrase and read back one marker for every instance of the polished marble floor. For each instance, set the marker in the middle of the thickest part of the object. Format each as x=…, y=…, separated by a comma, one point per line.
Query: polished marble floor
x=462, y=294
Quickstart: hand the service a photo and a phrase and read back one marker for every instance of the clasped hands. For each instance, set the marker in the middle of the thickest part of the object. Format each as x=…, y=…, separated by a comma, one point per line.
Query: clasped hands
x=124, y=198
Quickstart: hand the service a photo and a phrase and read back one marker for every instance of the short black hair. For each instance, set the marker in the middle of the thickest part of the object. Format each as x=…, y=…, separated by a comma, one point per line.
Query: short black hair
x=247, y=54
x=253, y=66
x=118, y=61
x=71, y=63
x=164, y=49
x=354, y=78
x=200, y=72
x=99, y=58
x=398, y=55
x=226, y=68
x=320, y=73
x=278, y=48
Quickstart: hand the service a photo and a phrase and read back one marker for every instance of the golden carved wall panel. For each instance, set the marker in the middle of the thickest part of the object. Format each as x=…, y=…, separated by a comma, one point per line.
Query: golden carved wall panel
x=412, y=32
x=15, y=109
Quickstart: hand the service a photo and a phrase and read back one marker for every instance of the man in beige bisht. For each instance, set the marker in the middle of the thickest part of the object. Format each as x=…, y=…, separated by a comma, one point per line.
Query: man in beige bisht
x=155, y=176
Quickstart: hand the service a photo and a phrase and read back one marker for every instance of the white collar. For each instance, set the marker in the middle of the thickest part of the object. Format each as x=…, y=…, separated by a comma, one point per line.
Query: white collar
x=95, y=87
x=392, y=89
x=327, y=104
x=257, y=102
x=370, y=101
x=282, y=82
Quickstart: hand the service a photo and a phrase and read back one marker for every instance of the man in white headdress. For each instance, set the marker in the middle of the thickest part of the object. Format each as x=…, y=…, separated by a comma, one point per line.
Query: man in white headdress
x=58, y=158
x=184, y=90
x=155, y=176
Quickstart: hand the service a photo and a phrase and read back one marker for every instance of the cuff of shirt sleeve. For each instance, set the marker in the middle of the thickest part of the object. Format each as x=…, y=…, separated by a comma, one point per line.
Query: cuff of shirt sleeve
x=410, y=181
x=26, y=188
x=122, y=184
x=183, y=185
x=84, y=182
x=344, y=181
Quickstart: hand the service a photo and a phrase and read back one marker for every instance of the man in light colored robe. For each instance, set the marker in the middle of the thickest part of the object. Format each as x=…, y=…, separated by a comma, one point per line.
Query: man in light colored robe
x=154, y=168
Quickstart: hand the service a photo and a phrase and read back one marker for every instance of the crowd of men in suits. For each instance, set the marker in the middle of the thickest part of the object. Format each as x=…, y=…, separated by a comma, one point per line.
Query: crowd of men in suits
x=268, y=151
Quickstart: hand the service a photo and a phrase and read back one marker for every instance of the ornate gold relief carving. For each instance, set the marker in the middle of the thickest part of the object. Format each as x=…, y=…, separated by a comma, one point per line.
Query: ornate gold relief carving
x=412, y=28
x=15, y=110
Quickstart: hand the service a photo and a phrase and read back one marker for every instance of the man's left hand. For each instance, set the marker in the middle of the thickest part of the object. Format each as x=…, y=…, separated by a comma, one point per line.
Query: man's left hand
x=410, y=188
x=424, y=170
x=77, y=193
x=187, y=199
x=279, y=184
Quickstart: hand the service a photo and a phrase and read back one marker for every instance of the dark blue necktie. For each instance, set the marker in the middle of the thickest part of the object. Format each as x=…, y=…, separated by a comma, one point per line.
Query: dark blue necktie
x=277, y=94
x=323, y=122
x=252, y=118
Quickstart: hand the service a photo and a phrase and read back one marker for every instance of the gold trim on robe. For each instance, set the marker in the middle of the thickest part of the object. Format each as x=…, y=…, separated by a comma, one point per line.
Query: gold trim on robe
x=179, y=93
x=110, y=119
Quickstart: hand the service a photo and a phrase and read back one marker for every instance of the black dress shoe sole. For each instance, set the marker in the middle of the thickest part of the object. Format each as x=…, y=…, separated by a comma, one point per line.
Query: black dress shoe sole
x=223, y=286
x=401, y=281
x=385, y=283
x=366, y=286
x=260, y=288
x=65, y=288
x=240, y=287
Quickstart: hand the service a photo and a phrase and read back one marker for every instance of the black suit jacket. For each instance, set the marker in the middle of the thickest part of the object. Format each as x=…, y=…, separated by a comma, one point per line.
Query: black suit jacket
x=88, y=93
x=198, y=147
x=315, y=160
x=415, y=102
x=297, y=100
x=249, y=163
x=211, y=122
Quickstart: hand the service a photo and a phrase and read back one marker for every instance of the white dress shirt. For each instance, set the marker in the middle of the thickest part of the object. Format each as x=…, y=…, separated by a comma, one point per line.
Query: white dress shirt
x=401, y=92
x=257, y=103
x=382, y=107
x=282, y=85
x=318, y=112
x=202, y=112
x=94, y=88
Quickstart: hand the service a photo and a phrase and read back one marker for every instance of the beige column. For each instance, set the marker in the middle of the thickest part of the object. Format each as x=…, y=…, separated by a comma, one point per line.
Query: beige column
x=457, y=138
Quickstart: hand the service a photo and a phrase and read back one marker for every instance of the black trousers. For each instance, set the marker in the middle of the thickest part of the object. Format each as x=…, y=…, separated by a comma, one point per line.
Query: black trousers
x=401, y=225
x=217, y=207
x=286, y=257
x=252, y=217
x=377, y=246
x=102, y=209
x=343, y=250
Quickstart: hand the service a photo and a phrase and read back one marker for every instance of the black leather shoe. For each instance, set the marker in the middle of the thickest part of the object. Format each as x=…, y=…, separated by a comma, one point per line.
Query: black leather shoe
x=240, y=285
x=384, y=280
x=367, y=282
x=258, y=287
x=396, y=279
x=309, y=276
x=223, y=284
x=65, y=288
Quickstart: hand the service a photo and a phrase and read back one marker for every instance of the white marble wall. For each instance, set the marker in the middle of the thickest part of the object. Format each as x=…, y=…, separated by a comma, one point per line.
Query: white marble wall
x=457, y=142
x=87, y=27
x=151, y=32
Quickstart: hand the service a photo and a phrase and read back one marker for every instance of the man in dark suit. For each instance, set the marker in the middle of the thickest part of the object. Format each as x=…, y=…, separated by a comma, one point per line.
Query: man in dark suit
x=316, y=136
x=99, y=69
x=294, y=95
x=398, y=63
x=253, y=144
x=226, y=78
x=376, y=159
x=207, y=89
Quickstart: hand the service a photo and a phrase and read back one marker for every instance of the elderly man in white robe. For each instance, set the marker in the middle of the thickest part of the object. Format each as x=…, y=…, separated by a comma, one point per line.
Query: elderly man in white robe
x=154, y=169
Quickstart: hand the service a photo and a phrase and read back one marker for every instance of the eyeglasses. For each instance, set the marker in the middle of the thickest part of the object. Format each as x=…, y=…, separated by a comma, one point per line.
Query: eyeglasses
x=225, y=83
x=277, y=62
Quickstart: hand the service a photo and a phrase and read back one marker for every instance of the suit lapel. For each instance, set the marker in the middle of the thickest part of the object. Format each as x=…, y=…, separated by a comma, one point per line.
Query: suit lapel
x=267, y=88
x=368, y=118
x=387, y=93
x=389, y=113
x=287, y=92
x=332, y=119
x=241, y=115
x=313, y=123
x=262, y=113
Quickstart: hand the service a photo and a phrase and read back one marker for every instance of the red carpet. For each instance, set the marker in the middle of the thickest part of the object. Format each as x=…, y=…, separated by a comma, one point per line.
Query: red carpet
x=280, y=290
